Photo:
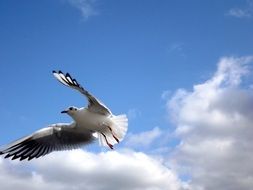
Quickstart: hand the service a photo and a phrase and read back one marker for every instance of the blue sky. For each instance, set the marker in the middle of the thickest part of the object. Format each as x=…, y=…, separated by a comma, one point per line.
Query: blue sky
x=126, y=53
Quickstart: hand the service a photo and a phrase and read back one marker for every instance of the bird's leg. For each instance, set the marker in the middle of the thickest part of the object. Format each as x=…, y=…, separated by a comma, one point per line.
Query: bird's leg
x=105, y=125
x=113, y=134
x=110, y=145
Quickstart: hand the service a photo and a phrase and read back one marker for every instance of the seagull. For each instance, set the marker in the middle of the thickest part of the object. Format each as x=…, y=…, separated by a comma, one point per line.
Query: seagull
x=95, y=121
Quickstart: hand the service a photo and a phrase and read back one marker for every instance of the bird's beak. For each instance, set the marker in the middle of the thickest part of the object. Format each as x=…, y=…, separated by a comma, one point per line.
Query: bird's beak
x=64, y=111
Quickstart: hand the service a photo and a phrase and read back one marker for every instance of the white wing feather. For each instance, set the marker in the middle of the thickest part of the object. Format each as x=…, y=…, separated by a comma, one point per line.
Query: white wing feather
x=94, y=104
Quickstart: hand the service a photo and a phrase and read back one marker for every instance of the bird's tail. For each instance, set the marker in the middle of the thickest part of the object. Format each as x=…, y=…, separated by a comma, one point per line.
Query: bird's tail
x=116, y=131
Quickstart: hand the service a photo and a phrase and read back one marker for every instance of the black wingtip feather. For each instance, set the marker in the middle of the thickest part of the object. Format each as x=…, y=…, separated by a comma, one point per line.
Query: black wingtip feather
x=68, y=79
x=15, y=157
x=68, y=75
x=8, y=155
x=30, y=158
x=22, y=158
x=1, y=153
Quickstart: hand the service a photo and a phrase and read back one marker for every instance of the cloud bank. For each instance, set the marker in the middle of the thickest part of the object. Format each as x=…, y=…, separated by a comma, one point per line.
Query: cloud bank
x=215, y=124
x=84, y=170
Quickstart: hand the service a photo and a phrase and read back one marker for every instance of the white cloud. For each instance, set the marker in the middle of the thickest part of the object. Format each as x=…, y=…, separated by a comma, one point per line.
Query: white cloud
x=177, y=48
x=86, y=7
x=214, y=123
x=84, y=170
x=242, y=12
x=239, y=13
x=166, y=94
x=143, y=139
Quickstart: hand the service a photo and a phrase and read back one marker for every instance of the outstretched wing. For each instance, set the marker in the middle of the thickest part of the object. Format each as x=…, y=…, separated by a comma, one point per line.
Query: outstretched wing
x=94, y=104
x=56, y=137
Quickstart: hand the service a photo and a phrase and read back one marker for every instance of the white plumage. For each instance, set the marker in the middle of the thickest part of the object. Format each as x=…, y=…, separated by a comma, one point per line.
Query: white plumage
x=94, y=121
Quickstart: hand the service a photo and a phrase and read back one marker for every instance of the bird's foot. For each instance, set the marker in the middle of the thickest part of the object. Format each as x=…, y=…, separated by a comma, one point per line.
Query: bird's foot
x=115, y=138
x=110, y=145
x=113, y=134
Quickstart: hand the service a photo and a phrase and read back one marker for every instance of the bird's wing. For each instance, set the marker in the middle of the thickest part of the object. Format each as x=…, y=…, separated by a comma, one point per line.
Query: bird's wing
x=94, y=104
x=53, y=138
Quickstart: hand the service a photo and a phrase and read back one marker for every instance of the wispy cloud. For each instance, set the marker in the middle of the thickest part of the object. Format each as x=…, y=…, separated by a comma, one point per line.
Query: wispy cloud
x=86, y=7
x=133, y=113
x=242, y=12
x=239, y=13
x=177, y=48
x=166, y=94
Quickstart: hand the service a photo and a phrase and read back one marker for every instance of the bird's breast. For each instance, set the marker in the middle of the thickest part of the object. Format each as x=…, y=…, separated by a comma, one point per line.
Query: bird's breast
x=90, y=120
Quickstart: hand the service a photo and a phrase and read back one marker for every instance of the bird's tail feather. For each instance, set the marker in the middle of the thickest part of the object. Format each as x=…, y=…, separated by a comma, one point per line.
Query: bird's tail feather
x=118, y=130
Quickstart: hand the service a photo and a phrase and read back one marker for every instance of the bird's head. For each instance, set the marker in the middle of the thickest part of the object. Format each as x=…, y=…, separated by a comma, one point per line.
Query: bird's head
x=70, y=111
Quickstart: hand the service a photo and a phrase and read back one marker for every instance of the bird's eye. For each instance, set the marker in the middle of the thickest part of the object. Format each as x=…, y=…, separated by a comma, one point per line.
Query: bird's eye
x=70, y=108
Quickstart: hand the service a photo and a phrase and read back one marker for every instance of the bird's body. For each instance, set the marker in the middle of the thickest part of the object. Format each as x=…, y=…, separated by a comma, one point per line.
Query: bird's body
x=106, y=126
x=95, y=120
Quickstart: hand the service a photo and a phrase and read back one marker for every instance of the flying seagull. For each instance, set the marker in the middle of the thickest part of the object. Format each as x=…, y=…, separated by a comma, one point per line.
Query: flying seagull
x=94, y=121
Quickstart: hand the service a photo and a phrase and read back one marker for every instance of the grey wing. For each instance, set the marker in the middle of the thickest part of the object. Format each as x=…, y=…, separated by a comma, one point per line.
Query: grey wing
x=53, y=138
x=94, y=104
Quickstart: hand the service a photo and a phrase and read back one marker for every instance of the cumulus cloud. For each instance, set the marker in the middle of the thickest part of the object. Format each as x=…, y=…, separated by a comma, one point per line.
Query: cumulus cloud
x=86, y=7
x=214, y=122
x=80, y=169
